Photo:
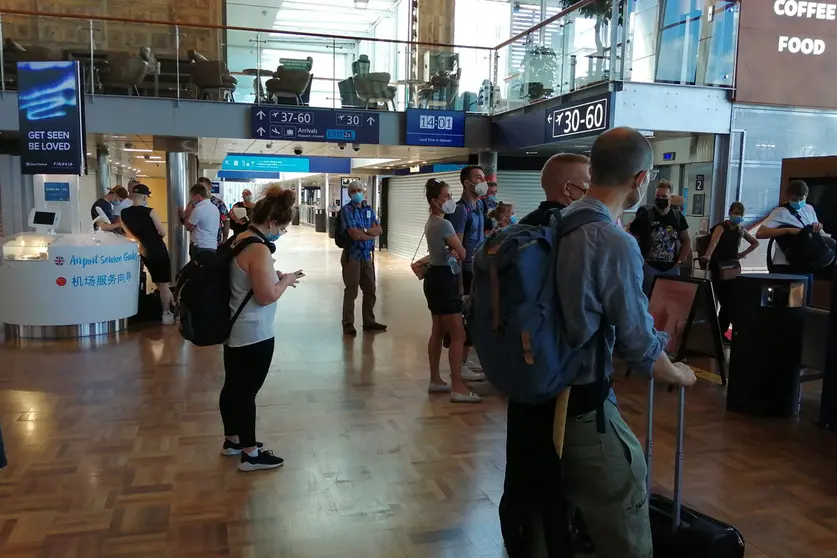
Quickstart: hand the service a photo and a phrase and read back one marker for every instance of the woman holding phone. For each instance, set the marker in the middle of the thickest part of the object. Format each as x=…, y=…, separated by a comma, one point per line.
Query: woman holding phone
x=249, y=350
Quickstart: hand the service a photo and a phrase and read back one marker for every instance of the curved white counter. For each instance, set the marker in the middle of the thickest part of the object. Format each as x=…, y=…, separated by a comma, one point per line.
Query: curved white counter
x=68, y=285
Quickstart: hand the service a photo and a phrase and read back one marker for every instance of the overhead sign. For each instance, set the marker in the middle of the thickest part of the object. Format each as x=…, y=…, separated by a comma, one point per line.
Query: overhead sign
x=436, y=127
x=57, y=191
x=307, y=124
x=700, y=181
x=245, y=166
x=786, y=50
x=579, y=119
x=51, y=117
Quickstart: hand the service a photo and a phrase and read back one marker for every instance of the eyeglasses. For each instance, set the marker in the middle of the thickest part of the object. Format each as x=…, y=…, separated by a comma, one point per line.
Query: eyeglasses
x=653, y=174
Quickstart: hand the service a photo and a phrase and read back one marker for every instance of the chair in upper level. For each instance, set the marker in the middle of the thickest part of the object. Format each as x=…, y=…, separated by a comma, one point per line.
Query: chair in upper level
x=122, y=73
x=288, y=85
x=211, y=78
x=374, y=89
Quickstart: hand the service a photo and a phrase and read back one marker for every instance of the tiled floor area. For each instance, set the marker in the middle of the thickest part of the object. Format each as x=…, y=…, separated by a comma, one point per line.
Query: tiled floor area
x=114, y=446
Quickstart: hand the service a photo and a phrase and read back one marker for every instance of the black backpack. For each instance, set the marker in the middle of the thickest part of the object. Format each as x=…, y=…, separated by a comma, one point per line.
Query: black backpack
x=341, y=235
x=203, y=294
x=807, y=251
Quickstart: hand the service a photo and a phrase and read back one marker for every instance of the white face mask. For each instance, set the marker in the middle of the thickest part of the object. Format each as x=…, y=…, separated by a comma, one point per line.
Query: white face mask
x=449, y=206
x=481, y=188
x=642, y=190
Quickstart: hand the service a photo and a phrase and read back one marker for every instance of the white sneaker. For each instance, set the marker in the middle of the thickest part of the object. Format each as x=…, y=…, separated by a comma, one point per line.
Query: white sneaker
x=168, y=318
x=465, y=397
x=469, y=375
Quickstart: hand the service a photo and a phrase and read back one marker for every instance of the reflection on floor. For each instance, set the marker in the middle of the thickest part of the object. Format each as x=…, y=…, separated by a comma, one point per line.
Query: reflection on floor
x=114, y=447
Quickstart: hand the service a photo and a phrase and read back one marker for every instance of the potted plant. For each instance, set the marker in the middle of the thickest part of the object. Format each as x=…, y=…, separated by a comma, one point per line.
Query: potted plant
x=602, y=11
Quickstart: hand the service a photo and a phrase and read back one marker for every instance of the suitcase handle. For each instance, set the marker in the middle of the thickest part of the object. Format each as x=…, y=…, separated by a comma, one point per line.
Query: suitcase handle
x=678, y=452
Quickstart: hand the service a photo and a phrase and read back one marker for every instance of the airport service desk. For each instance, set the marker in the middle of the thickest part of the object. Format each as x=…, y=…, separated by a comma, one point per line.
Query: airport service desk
x=67, y=285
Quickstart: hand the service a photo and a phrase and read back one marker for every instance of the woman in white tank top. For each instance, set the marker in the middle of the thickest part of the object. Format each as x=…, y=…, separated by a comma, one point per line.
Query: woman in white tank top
x=249, y=349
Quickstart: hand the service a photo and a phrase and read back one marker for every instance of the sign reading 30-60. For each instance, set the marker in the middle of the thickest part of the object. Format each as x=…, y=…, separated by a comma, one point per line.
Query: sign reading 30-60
x=578, y=119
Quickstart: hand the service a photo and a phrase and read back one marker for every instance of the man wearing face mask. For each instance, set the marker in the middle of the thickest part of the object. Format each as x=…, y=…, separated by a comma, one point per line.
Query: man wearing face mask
x=240, y=223
x=603, y=310
x=663, y=236
x=469, y=222
x=564, y=179
x=361, y=224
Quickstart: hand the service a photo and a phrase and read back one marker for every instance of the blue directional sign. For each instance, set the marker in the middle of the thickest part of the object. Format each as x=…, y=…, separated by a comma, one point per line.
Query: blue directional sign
x=239, y=165
x=436, y=127
x=309, y=124
x=574, y=120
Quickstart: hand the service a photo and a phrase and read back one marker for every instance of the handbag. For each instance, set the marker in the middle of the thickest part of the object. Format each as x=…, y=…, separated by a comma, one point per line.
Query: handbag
x=728, y=269
x=421, y=265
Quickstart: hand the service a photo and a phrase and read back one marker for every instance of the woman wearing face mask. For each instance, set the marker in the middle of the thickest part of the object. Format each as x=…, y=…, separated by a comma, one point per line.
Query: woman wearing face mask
x=503, y=216
x=723, y=257
x=441, y=288
x=249, y=349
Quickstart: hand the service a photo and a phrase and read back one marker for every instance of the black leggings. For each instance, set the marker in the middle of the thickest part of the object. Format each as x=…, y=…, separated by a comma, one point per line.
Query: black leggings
x=245, y=369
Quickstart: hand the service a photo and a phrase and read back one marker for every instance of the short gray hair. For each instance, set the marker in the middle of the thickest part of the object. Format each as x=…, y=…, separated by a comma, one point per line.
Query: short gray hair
x=355, y=185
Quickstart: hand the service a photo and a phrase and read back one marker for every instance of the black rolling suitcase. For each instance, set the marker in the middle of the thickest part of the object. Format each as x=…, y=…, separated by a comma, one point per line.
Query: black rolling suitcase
x=678, y=531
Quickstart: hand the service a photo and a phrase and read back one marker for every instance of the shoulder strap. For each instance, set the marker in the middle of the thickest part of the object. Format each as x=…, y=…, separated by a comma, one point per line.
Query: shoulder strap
x=795, y=213
x=236, y=250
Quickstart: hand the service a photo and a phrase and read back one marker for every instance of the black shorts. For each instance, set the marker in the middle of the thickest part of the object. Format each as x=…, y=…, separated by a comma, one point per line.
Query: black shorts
x=441, y=288
x=158, y=266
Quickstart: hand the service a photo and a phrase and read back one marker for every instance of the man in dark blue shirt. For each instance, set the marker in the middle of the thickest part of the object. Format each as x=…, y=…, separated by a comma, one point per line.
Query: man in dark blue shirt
x=359, y=221
x=469, y=224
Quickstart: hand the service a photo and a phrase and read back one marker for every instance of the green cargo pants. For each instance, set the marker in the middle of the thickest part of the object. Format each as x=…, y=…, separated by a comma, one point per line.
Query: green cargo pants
x=604, y=476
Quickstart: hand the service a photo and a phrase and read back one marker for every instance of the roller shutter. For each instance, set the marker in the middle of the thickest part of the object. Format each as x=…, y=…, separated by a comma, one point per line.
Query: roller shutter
x=521, y=189
x=408, y=211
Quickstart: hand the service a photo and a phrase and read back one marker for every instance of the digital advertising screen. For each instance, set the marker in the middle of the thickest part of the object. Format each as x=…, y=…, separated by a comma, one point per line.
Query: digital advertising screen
x=50, y=113
x=671, y=305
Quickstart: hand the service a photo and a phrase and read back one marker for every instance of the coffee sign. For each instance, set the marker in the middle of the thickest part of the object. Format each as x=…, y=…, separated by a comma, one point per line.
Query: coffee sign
x=787, y=53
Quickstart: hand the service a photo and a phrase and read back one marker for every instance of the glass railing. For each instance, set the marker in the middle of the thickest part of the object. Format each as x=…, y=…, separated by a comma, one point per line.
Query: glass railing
x=244, y=65
x=590, y=42
x=597, y=41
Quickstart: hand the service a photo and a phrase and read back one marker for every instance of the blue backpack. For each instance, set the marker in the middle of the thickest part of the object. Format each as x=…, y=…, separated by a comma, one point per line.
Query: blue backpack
x=514, y=315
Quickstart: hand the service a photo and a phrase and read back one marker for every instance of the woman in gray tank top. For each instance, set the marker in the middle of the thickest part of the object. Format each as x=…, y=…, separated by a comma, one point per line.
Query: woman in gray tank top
x=444, y=299
x=249, y=349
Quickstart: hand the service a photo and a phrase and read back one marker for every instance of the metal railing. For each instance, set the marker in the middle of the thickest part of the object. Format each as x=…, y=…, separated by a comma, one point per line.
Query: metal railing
x=590, y=42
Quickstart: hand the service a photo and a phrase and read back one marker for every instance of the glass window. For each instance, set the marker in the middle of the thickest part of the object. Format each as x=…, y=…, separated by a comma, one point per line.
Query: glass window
x=679, y=38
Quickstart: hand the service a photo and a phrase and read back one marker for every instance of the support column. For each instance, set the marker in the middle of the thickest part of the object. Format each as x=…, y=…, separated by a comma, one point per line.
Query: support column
x=434, y=24
x=372, y=193
x=177, y=178
x=326, y=193
x=299, y=191
x=17, y=196
x=192, y=170
x=102, y=171
x=488, y=161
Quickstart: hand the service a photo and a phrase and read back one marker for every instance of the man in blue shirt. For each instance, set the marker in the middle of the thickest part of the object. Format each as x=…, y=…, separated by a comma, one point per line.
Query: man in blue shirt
x=359, y=221
x=469, y=224
x=599, y=282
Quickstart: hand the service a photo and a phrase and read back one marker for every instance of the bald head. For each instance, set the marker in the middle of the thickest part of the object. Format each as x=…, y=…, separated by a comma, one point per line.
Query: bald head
x=564, y=177
x=618, y=155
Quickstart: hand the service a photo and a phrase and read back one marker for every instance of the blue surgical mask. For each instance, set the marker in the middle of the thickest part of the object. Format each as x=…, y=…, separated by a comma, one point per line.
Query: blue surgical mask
x=736, y=219
x=797, y=204
x=513, y=219
x=357, y=197
x=492, y=198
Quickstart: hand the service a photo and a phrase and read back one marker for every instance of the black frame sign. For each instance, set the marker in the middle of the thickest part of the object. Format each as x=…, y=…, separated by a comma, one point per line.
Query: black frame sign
x=580, y=119
x=51, y=116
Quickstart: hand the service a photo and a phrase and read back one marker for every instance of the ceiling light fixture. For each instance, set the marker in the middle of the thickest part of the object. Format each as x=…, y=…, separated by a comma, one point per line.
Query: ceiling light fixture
x=531, y=153
x=137, y=149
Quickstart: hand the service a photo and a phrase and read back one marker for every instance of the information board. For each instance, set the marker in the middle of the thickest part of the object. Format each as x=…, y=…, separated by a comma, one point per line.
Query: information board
x=436, y=127
x=50, y=114
x=580, y=119
x=57, y=191
x=308, y=124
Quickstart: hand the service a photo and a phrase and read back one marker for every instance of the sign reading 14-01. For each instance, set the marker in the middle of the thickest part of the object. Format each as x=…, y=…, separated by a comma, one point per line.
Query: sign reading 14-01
x=588, y=117
x=435, y=127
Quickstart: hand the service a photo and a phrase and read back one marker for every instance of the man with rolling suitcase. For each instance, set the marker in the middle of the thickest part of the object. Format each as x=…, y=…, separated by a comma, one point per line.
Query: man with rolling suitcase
x=603, y=309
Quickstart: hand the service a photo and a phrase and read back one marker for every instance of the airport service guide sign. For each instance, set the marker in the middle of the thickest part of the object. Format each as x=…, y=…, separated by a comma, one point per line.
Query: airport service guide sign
x=787, y=53
x=51, y=116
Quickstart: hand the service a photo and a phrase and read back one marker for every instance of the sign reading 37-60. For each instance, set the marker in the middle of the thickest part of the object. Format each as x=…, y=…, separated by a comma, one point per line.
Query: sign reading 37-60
x=578, y=119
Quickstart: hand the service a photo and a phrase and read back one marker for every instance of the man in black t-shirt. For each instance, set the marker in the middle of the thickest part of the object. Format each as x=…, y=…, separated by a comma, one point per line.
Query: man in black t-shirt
x=663, y=236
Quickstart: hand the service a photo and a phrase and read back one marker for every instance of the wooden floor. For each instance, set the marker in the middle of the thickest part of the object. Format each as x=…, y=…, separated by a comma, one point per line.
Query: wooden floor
x=114, y=446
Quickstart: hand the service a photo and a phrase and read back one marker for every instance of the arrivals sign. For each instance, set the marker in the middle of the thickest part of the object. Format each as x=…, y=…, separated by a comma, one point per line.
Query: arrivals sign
x=786, y=53
x=307, y=124
x=51, y=116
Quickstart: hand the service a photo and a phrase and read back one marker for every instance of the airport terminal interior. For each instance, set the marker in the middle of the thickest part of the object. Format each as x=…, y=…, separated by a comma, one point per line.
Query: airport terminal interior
x=111, y=439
